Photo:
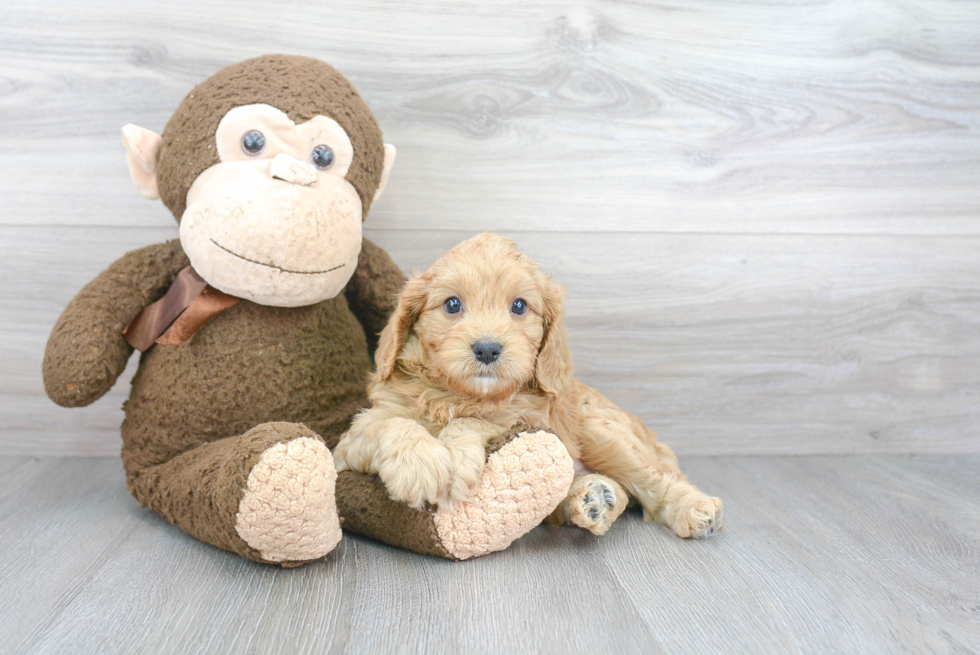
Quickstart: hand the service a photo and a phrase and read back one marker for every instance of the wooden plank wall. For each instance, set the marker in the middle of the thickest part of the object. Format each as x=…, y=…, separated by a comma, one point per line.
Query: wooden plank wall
x=767, y=215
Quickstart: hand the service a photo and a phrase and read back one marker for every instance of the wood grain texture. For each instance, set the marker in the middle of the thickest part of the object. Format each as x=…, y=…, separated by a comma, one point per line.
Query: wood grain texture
x=819, y=554
x=808, y=117
x=767, y=214
x=724, y=344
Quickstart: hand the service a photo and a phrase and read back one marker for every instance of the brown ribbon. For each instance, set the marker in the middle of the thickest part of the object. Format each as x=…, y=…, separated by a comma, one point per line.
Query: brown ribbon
x=189, y=303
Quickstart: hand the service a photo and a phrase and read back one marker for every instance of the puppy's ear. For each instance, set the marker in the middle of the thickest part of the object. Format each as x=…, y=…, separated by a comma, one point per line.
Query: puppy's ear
x=554, y=369
x=411, y=302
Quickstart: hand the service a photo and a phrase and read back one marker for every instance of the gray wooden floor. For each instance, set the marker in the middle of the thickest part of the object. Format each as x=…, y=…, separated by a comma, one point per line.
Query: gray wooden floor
x=858, y=554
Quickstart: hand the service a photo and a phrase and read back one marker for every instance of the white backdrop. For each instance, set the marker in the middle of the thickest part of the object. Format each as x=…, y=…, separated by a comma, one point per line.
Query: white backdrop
x=767, y=216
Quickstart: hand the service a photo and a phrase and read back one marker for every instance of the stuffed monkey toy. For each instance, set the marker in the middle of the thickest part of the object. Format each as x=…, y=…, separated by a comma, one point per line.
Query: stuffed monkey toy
x=256, y=328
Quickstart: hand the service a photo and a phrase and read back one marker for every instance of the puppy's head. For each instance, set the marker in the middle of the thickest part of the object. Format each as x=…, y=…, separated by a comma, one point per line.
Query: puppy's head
x=483, y=321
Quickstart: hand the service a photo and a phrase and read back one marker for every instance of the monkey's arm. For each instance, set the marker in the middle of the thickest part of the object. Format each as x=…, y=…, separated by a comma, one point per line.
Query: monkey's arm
x=372, y=292
x=86, y=351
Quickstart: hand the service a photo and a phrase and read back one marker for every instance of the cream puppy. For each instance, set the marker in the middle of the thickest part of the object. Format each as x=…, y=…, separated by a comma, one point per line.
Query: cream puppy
x=477, y=345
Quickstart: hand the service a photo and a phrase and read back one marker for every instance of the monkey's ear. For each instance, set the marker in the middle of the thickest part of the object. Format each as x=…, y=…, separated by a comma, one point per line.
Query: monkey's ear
x=390, y=153
x=142, y=155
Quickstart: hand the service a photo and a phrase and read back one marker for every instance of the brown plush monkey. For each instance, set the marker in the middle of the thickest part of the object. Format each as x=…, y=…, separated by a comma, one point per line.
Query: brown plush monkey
x=256, y=326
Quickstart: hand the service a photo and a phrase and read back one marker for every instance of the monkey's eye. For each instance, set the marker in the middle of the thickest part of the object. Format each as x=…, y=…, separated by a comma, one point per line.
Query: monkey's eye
x=518, y=306
x=322, y=156
x=452, y=305
x=253, y=142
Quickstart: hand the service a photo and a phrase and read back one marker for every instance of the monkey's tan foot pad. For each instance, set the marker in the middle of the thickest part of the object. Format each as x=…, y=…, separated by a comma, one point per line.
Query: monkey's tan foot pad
x=526, y=476
x=288, y=510
x=522, y=483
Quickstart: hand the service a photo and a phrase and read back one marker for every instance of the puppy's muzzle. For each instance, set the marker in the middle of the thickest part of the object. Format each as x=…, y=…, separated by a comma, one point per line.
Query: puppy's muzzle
x=486, y=351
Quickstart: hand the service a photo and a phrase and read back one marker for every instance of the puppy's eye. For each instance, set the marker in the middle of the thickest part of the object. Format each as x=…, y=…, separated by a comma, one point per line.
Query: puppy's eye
x=452, y=305
x=518, y=306
x=253, y=142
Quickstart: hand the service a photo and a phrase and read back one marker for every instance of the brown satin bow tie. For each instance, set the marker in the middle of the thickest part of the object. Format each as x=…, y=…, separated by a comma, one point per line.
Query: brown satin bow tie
x=189, y=303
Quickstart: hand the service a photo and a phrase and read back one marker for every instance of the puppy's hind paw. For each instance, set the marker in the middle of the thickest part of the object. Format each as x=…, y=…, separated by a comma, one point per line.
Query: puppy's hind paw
x=594, y=503
x=700, y=519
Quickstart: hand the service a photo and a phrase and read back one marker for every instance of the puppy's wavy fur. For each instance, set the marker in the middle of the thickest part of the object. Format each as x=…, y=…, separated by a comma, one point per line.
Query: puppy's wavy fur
x=435, y=404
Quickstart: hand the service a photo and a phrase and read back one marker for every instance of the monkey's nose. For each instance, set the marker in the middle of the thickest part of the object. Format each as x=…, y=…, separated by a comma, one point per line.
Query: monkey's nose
x=487, y=351
x=292, y=170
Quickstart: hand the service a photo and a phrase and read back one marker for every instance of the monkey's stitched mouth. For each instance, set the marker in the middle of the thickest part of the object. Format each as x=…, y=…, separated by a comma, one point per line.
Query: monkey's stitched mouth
x=278, y=268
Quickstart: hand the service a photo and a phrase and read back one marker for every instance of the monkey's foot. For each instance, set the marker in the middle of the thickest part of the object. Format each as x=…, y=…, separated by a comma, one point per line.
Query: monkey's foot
x=527, y=474
x=288, y=511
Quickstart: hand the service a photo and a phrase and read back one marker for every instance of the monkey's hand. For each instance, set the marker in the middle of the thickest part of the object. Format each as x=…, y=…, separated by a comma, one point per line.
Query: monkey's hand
x=86, y=351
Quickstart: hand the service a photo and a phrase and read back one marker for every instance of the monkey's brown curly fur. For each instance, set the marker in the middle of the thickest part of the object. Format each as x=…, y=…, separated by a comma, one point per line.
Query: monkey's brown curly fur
x=247, y=367
x=200, y=414
x=310, y=87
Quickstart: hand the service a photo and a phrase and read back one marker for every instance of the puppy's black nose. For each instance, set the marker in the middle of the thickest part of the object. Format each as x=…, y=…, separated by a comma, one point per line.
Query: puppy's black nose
x=487, y=351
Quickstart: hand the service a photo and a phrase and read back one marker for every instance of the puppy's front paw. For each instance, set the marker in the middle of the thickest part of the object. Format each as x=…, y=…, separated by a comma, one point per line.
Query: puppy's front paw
x=416, y=471
x=470, y=426
x=340, y=453
x=699, y=518
x=468, y=460
x=465, y=439
x=594, y=502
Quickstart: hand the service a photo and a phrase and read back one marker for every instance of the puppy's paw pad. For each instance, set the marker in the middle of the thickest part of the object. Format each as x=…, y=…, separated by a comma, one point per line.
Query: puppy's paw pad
x=594, y=509
x=702, y=519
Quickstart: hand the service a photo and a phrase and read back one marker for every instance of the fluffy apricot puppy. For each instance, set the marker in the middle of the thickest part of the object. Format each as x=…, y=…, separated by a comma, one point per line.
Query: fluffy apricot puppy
x=476, y=345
